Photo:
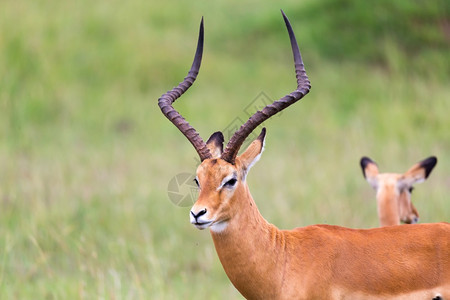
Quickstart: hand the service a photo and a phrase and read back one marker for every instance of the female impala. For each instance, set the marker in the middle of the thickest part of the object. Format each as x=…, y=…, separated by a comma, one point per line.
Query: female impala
x=313, y=262
x=394, y=190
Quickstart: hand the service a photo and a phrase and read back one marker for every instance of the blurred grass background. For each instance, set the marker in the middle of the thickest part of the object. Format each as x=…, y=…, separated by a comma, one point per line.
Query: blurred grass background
x=86, y=155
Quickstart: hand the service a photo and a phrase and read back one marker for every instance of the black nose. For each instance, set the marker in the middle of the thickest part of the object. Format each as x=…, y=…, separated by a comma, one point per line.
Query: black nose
x=200, y=213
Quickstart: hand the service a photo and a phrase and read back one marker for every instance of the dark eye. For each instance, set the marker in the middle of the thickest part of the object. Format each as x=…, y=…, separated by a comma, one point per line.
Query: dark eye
x=196, y=182
x=231, y=182
x=411, y=188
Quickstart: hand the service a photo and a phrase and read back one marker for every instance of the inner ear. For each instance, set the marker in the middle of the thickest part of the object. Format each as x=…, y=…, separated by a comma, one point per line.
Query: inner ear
x=215, y=144
x=420, y=171
x=370, y=171
x=253, y=153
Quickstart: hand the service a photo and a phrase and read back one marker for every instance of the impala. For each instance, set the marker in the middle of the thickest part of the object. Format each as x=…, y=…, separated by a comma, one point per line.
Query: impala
x=313, y=262
x=394, y=190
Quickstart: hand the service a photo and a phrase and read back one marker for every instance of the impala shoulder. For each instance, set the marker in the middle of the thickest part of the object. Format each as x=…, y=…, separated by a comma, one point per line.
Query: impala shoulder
x=322, y=233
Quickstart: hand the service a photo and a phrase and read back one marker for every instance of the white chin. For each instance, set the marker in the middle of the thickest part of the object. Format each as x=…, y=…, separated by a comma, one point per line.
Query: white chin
x=219, y=227
x=201, y=227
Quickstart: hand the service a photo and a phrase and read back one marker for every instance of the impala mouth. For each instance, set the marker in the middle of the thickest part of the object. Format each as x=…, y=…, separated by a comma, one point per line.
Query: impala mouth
x=202, y=225
x=413, y=221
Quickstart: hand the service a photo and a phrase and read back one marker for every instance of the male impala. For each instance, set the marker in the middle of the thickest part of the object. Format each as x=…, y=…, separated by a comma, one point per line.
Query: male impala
x=313, y=262
x=394, y=190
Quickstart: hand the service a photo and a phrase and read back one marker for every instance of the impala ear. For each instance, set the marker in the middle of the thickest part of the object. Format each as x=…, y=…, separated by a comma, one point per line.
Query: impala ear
x=253, y=153
x=420, y=171
x=370, y=170
x=215, y=144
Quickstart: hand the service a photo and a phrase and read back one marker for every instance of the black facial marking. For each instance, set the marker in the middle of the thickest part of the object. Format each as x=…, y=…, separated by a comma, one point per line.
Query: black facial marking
x=230, y=183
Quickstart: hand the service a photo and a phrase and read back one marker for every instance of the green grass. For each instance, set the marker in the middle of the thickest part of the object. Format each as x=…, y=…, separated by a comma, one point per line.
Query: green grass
x=86, y=155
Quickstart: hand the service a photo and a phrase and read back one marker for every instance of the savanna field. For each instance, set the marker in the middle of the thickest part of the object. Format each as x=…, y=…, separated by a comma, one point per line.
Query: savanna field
x=86, y=156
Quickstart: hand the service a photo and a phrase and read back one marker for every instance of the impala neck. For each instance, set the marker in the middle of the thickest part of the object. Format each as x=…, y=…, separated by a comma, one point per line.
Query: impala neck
x=251, y=250
x=387, y=209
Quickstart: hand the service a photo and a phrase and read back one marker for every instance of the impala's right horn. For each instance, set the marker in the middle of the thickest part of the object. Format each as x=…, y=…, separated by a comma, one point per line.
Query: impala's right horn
x=166, y=100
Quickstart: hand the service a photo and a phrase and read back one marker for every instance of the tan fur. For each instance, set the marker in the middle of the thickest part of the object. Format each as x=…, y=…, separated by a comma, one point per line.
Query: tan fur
x=394, y=193
x=319, y=261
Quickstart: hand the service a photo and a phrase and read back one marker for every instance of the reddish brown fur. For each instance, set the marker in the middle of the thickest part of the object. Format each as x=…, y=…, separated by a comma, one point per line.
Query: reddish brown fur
x=315, y=262
x=319, y=261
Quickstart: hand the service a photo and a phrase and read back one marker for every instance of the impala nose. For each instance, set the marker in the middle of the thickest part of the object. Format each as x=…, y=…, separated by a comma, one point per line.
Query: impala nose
x=200, y=219
x=199, y=214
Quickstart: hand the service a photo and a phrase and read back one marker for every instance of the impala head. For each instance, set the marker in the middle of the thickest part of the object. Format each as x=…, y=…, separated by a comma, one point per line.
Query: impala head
x=221, y=175
x=394, y=190
x=221, y=183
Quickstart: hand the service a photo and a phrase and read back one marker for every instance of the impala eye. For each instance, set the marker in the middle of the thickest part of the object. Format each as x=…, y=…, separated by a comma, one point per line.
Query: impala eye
x=196, y=182
x=231, y=182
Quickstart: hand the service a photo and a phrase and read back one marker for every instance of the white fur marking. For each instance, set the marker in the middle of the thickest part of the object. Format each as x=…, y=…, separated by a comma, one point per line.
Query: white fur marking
x=226, y=179
x=219, y=227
